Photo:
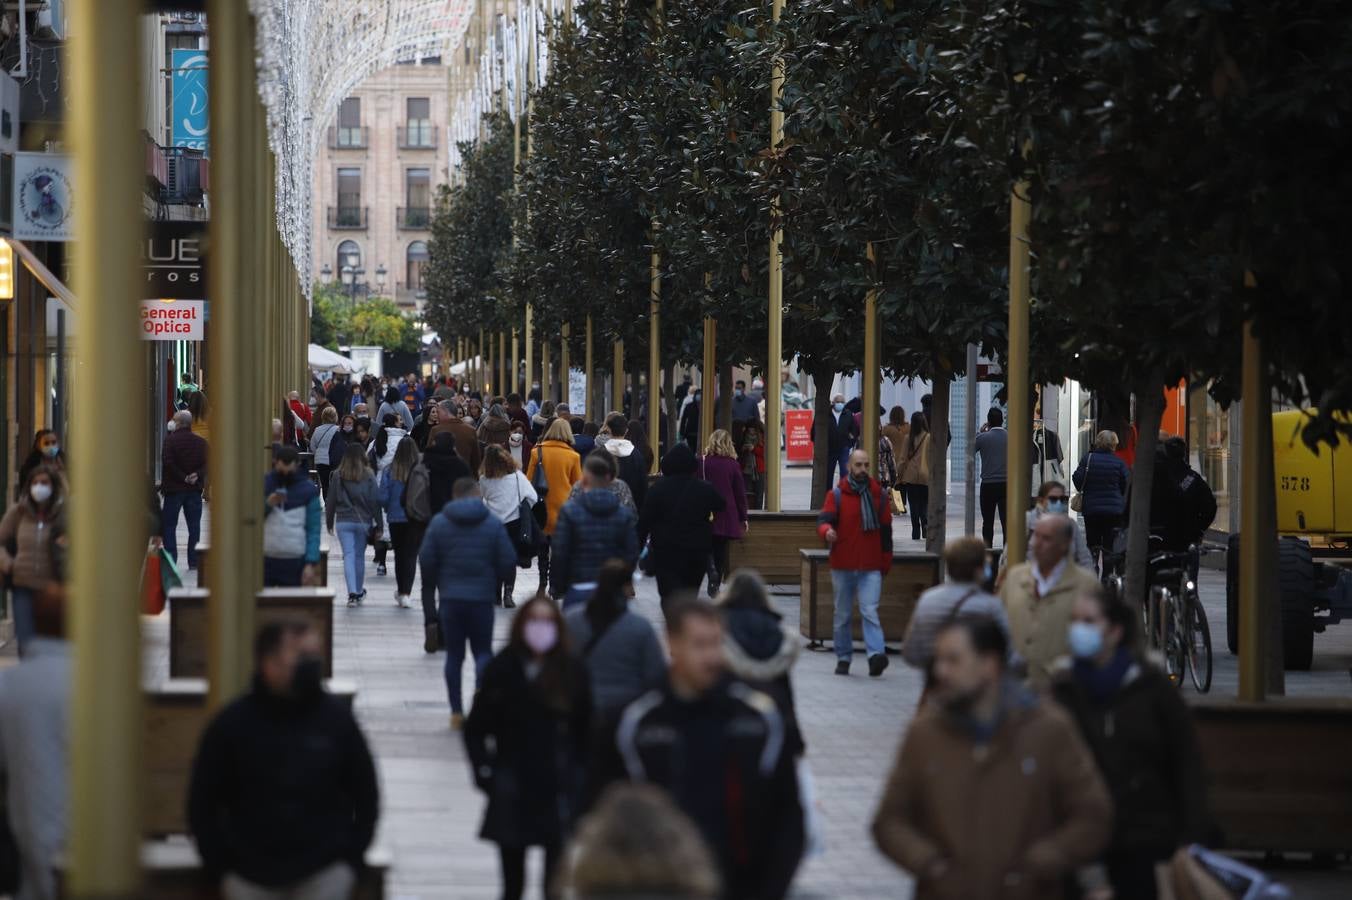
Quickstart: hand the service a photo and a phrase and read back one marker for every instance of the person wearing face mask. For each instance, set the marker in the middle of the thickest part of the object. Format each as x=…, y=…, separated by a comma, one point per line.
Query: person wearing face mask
x=994, y=793
x=322, y=444
x=519, y=446
x=962, y=595
x=430, y=417
x=744, y=406
x=841, y=435
x=46, y=451
x=291, y=525
x=1142, y=737
x=283, y=798
x=29, y=533
x=689, y=424
x=527, y=738
x=1052, y=500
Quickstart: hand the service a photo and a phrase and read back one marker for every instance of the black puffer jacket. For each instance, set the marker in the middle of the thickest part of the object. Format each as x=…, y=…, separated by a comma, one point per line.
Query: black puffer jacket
x=677, y=510
x=444, y=466
x=761, y=651
x=1143, y=741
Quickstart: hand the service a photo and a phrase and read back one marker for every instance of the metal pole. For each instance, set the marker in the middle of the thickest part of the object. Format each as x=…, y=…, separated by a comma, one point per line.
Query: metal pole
x=483, y=367
x=775, y=318
x=516, y=364
x=871, y=374
x=654, y=352
x=565, y=364
x=1016, y=381
x=546, y=375
x=530, y=350
x=106, y=738
x=708, y=379
x=617, y=379
x=504, y=382
x=589, y=365
x=1257, y=532
x=969, y=501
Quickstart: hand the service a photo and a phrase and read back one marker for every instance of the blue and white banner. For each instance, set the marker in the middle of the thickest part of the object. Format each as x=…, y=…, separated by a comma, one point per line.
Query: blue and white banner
x=189, y=109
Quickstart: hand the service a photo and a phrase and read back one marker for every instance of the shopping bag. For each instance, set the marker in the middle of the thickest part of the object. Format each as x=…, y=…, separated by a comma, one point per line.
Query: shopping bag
x=169, y=575
x=898, y=502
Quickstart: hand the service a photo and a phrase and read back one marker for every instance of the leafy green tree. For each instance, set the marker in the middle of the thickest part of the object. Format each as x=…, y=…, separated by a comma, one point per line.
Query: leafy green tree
x=337, y=319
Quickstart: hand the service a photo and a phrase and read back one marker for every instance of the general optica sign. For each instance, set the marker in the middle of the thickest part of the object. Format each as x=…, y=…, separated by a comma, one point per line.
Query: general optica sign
x=173, y=320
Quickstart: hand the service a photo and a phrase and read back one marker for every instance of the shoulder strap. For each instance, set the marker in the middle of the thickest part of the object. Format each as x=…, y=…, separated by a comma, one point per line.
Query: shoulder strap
x=957, y=607
x=596, y=638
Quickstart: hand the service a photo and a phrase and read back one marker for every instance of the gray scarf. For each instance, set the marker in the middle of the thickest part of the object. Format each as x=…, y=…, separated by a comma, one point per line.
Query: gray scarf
x=868, y=513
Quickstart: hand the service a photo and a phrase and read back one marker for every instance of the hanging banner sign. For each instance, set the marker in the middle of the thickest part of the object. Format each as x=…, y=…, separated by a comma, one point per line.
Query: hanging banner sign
x=174, y=260
x=190, y=99
x=798, y=437
x=173, y=320
x=43, y=197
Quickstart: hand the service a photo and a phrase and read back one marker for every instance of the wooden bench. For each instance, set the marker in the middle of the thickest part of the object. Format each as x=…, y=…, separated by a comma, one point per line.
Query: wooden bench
x=189, y=623
x=322, y=569
x=173, y=871
x=910, y=576
x=175, y=716
x=1276, y=772
x=772, y=544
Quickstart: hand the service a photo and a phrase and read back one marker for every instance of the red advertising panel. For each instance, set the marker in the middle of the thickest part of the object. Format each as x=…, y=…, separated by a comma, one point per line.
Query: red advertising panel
x=798, y=436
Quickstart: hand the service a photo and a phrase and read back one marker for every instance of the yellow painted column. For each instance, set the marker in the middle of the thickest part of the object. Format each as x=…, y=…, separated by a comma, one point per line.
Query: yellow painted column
x=589, y=365
x=1016, y=382
x=484, y=377
x=529, y=339
x=1259, y=671
x=107, y=537
x=516, y=366
x=617, y=379
x=871, y=372
x=546, y=376
x=708, y=379
x=654, y=356
x=565, y=362
x=775, y=313
x=506, y=383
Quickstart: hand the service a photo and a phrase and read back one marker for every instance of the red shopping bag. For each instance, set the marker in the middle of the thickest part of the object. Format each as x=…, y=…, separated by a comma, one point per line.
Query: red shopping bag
x=152, y=585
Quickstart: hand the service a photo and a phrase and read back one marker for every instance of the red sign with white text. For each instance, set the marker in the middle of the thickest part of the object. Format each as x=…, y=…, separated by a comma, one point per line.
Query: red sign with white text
x=798, y=436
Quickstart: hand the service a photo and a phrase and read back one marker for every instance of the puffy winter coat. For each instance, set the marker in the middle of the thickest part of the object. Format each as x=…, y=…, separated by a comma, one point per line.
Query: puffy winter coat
x=633, y=468
x=465, y=555
x=678, y=510
x=590, y=530
x=856, y=549
x=1102, y=477
x=562, y=469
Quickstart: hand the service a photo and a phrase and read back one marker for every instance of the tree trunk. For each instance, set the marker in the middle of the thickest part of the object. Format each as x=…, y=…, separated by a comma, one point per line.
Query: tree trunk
x=1149, y=410
x=634, y=388
x=821, y=424
x=941, y=391
x=669, y=397
x=725, y=398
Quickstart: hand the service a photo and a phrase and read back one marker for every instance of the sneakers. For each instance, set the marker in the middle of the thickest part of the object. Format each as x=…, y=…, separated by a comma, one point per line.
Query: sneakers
x=876, y=663
x=401, y=600
x=351, y=600
x=431, y=638
x=842, y=667
x=457, y=721
x=360, y=597
x=380, y=570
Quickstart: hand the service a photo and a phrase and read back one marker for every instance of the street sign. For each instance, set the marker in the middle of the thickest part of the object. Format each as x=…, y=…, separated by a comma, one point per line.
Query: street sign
x=173, y=320
x=798, y=436
x=190, y=99
x=43, y=197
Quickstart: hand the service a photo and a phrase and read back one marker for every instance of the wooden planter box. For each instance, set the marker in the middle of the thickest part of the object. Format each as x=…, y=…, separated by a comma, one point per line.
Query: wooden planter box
x=911, y=575
x=189, y=623
x=1276, y=772
x=175, y=716
x=772, y=544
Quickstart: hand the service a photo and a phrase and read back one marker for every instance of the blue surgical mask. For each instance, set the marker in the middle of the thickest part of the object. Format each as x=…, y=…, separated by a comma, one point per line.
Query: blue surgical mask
x=1058, y=507
x=52, y=451
x=838, y=407
x=988, y=573
x=1086, y=641
x=739, y=393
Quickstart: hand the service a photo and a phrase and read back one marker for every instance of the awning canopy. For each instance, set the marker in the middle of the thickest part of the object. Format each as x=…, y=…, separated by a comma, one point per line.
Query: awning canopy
x=325, y=360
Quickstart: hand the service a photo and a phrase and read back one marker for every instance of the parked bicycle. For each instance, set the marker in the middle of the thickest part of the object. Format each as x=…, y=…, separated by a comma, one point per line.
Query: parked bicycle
x=1175, y=621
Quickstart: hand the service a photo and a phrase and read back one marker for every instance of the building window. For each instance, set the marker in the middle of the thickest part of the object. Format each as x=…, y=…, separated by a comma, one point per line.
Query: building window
x=417, y=265
x=349, y=198
x=418, y=123
x=349, y=254
x=349, y=124
x=418, y=196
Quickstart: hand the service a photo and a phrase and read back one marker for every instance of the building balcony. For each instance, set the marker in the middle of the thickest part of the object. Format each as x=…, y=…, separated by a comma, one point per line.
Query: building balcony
x=348, y=218
x=415, y=218
x=349, y=138
x=409, y=295
x=417, y=136
x=176, y=175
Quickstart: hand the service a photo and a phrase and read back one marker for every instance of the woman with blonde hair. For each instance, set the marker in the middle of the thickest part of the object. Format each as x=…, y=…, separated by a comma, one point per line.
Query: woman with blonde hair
x=1102, y=478
x=720, y=468
x=562, y=469
x=504, y=488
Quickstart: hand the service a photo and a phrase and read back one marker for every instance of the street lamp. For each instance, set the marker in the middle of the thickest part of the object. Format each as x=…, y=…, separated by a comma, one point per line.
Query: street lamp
x=351, y=274
x=326, y=273
x=381, y=272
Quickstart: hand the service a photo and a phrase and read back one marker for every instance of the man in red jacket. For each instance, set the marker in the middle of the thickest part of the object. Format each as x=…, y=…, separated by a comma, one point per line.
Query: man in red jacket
x=856, y=522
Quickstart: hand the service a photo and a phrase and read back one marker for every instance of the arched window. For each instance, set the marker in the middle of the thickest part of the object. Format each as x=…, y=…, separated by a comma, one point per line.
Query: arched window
x=349, y=254
x=417, y=263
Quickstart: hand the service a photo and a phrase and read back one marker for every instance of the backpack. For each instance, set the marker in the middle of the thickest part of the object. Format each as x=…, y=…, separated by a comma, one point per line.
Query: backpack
x=417, y=499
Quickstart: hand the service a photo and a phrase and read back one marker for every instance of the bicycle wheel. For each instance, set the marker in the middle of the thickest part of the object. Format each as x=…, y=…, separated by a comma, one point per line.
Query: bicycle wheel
x=1198, y=643
x=1164, y=633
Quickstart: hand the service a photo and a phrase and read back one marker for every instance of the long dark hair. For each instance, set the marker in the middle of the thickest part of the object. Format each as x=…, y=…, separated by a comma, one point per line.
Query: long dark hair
x=556, y=669
x=611, y=597
x=919, y=428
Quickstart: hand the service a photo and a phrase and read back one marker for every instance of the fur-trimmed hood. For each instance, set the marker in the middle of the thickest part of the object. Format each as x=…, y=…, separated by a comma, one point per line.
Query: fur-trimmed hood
x=758, y=645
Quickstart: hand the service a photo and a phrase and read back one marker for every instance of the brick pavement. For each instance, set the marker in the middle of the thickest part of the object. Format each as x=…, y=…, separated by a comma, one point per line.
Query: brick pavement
x=431, y=812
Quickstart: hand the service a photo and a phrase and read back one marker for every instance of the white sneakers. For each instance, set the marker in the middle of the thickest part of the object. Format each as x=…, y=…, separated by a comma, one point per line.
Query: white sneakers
x=401, y=600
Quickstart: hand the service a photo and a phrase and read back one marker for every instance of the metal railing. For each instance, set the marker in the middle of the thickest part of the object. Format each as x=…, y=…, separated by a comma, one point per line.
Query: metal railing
x=418, y=135
x=357, y=138
x=348, y=217
x=414, y=218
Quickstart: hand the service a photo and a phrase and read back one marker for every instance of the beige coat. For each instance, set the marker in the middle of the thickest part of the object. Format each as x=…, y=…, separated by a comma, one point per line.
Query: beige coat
x=915, y=468
x=1037, y=626
x=1009, y=819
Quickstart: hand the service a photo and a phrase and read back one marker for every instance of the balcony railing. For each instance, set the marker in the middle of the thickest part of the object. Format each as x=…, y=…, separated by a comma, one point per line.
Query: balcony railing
x=418, y=136
x=176, y=175
x=415, y=218
x=352, y=218
x=341, y=138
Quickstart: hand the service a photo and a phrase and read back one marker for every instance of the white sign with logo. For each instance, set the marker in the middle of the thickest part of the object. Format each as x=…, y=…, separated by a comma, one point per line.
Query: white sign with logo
x=577, y=392
x=173, y=320
x=44, y=199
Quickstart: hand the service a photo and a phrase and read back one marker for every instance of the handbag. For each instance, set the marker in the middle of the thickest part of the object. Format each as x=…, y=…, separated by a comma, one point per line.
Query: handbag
x=1077, y=501
x=526, y=533
x=540, y=481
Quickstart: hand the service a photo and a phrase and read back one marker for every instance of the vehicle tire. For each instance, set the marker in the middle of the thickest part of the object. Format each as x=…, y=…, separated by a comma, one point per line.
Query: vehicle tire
x=1232, y=593
x=1198, y=644
x=1295, y=567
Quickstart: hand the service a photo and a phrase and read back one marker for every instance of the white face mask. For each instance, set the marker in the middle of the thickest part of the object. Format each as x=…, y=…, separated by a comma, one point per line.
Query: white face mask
x=171, y=426
x=41, y=492
x=516, y=438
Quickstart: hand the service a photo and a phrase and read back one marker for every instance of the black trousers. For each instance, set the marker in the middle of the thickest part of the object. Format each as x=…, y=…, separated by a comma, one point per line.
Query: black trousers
x=514, y=871
x=719, y=559
x=406, y=538
x=993, y=502
x=324, y=473
x=679, y=573
x=1098, y=530
x=542, y=559
x=917, y=501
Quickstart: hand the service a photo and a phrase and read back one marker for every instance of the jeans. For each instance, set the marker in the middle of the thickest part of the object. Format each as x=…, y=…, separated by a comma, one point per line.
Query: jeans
x=279, y=572
x=917, y=501
x=841, y=463
x=577, y=595
x=21, y=602
x=866, y=586
x=465, y=620
x=992, y=502
x=514, y=871
x=335, y=880
x=407, y=540
x=191, y=504
x=352, y=537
